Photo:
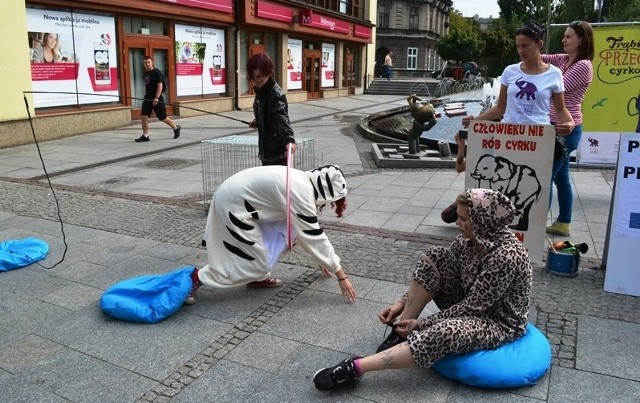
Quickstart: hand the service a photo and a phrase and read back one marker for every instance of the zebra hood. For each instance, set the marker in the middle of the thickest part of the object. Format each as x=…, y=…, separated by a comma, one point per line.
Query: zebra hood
x=329, y=184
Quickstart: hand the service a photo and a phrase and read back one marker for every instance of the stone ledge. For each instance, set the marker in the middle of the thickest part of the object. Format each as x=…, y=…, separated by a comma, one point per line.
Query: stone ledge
x=62, y=124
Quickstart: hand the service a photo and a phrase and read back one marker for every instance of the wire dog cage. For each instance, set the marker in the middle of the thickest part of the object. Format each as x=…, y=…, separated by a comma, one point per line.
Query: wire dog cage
x=224, y=156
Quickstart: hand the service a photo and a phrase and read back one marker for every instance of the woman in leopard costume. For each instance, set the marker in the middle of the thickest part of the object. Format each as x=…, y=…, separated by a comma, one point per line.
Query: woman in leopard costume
x=481, y=283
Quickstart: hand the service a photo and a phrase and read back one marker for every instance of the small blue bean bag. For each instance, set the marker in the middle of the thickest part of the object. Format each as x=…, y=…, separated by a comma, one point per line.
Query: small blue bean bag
x=18, y=253
x=148, y=299
x=521, y=362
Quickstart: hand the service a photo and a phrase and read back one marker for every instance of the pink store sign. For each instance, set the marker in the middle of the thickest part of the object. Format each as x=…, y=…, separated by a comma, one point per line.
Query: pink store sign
x=311, y=19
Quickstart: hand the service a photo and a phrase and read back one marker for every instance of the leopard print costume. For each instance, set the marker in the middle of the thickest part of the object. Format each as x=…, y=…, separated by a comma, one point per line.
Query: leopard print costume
x=482, y=286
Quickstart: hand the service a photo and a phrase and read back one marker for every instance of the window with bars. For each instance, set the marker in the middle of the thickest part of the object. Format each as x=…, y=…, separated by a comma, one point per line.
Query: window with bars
x=412, y=58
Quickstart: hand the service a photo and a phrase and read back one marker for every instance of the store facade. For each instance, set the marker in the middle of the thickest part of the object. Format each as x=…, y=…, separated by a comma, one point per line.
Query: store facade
x=85, y=57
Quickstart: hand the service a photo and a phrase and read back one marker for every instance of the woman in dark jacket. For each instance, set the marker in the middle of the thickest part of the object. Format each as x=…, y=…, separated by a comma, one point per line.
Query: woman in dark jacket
x=271, y=112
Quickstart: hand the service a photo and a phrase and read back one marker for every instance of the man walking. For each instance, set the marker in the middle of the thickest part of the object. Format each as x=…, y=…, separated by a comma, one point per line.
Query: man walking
x=154, y=101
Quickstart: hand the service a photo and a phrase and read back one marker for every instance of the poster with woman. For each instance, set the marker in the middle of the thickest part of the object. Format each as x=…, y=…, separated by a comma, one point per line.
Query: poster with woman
x=73, y=58
x=327, y=65
x=294, y=64
x=200, y=60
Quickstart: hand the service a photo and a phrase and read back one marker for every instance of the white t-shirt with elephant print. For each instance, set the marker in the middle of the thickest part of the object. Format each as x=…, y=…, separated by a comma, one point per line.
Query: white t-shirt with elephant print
x=529, y=96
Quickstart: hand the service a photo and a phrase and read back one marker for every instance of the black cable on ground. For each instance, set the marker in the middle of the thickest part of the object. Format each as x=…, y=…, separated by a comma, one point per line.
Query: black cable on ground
x=44, y=168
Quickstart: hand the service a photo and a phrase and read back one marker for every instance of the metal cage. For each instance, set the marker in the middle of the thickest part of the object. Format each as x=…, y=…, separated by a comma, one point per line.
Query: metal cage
x=225, y=156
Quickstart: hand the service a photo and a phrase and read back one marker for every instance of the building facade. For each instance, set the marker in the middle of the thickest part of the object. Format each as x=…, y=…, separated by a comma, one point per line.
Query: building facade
x=80, y=68
x=410, y=29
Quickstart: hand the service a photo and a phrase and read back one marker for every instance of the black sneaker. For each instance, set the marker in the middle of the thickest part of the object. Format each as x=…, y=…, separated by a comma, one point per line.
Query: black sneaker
x=392, y=340
x=176, y=131
x=342, y=375
x=142, y=138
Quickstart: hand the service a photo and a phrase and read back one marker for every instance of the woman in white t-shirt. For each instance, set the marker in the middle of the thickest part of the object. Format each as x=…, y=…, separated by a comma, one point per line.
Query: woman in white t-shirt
x=528, y=87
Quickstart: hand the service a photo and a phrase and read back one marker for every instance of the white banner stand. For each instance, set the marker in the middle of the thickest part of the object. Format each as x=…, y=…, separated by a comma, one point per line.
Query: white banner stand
x=623, y=237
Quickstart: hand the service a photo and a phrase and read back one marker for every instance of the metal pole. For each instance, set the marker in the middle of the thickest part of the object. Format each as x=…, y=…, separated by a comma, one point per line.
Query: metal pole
x=546, y=44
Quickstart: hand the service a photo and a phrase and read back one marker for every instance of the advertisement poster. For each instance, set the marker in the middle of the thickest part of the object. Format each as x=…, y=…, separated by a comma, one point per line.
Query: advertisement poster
x=515, y=159
x=200, y=61
x=328, y=62
x=624, y=232
x=72, y=53
x=294, y=64
x=616, y=70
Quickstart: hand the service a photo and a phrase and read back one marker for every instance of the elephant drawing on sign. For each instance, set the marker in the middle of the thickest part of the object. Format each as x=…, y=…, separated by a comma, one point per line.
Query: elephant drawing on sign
x=518, y=182
x=526, y=88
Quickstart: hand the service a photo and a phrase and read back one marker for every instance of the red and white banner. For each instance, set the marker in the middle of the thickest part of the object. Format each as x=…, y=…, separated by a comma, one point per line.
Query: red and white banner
x=72, y=52
x=200, y=60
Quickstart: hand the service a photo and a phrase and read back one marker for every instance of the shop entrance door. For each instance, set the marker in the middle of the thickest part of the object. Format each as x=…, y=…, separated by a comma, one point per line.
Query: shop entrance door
x=135, y=49
x=349, y=74
x=311, y=71
x=254, y=48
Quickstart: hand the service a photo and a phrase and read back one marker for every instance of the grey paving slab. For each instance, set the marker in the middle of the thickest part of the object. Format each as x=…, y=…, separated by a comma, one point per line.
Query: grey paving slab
x=402, y=222
x=569, y=385
x=466, y=394
x=77, y=377
x=251, y=384
x=374, y=219
x=309, y=315
x=608, y=347
x=154, y=351
x=28, y=351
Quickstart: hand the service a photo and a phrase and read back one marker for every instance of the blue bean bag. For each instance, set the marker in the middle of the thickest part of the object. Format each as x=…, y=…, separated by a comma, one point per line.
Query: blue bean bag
x=519, y=363
x=18, y=253
x=148, y=299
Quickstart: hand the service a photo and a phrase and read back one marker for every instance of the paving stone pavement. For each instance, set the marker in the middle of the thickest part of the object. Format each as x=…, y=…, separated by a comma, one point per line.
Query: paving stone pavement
x=259, y=345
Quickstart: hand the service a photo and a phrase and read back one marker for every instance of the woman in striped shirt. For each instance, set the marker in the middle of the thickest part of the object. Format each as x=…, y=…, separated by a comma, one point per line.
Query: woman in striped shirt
x=577, y=74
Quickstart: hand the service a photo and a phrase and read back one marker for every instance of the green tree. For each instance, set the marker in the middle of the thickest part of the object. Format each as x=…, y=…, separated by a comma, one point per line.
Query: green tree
x=463, y=42
x=499, y=48
x=621, y=10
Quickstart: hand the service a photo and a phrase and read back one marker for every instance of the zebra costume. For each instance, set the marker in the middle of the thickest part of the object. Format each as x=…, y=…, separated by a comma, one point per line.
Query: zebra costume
x=245, y=231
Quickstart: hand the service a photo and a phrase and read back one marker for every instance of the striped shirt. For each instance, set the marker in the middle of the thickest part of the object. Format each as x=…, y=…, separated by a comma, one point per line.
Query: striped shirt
x=576, y=78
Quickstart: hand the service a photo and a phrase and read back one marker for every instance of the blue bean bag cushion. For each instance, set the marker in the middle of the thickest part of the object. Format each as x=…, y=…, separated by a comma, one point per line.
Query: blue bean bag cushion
x=18, y=253
x=521, y=362
x=148, y=299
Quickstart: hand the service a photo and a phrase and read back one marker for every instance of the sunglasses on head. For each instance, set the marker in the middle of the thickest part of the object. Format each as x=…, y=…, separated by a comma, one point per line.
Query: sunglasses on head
x=577, y=26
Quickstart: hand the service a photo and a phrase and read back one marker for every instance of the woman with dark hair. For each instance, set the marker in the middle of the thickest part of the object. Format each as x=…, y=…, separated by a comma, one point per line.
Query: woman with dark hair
x=246, y=226
x=271, y=112
x=527, y=88
x=577, y=74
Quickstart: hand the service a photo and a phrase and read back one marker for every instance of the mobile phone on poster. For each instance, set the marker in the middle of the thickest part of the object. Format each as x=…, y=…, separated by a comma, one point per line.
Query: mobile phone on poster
x=101, y=59
x=217, y=67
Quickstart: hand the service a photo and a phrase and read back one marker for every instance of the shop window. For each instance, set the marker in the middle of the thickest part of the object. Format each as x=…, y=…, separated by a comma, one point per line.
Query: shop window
x=412, y=58
x=145, y=26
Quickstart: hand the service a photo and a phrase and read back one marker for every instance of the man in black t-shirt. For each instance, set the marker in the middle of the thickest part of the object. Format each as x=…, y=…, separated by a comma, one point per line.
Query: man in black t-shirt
x=154, y=101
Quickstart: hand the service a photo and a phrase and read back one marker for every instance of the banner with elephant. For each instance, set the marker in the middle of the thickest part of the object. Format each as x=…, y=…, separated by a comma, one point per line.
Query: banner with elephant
x=612, y=103
x=515, y=159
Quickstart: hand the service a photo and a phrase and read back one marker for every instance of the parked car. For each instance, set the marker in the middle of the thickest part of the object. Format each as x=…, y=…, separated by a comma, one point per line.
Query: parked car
x=467, y=68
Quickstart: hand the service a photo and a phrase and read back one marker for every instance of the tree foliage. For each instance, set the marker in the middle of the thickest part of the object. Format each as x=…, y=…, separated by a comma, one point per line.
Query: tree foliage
x=463, y=42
